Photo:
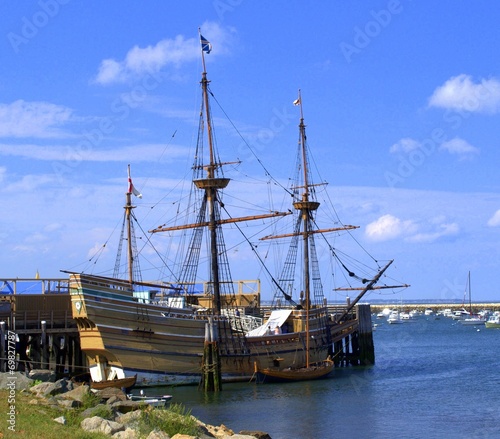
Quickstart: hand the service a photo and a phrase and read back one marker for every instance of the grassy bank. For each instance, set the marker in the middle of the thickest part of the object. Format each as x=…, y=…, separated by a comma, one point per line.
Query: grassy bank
x=36, y=421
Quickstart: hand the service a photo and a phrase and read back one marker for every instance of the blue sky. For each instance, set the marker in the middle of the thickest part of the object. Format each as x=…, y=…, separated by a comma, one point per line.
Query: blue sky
x=401, y=101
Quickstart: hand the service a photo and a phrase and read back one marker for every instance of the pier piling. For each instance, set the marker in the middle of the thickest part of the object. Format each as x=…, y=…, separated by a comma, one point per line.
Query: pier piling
x=211, y=377
x=46, y=334
x=365, y=344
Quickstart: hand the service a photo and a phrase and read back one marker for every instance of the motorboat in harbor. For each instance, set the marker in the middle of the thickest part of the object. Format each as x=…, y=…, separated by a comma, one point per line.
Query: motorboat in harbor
x=493, y=321
x=151, y=400
x=395, y=318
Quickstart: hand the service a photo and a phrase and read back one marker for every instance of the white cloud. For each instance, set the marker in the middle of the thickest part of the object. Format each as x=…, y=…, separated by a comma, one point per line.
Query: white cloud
x=32, y=119
x=97, y=248
x=459, y=147
x=443, y=230
x=405, y=145
x=168, y=52
x=30, y=183
x=135, y=153
x=494, y=221
x=388, y=227
x=461, y=93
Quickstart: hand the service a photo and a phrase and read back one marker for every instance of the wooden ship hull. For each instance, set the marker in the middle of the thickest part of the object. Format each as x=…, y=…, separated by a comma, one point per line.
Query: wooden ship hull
x=122, y=336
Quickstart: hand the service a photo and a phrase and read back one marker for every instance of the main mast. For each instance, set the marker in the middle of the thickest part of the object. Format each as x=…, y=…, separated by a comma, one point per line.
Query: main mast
x=306, y=206
x=211, y=185
x=211, y=182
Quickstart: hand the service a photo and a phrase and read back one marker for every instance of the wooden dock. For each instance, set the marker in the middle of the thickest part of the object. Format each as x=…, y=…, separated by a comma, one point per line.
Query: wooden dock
x=38, y=312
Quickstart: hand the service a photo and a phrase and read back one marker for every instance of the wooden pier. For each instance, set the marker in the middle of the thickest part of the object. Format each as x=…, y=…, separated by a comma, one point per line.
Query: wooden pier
x=354, y=345
x=38, y=313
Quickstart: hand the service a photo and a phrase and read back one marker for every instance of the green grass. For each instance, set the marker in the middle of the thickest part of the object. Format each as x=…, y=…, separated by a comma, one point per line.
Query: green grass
x=37, y=421
x=176, y=419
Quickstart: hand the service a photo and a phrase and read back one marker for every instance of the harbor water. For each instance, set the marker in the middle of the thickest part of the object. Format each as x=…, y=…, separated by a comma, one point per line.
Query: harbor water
x=432, y=379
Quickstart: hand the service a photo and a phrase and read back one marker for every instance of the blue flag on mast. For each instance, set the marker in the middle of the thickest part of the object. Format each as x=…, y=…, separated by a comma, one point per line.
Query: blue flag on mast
x=205, y=44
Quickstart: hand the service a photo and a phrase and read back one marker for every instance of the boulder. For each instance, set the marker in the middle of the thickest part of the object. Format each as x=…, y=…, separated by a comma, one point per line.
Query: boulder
x=43, y=375
x=42, y=389
x=158, y=434
x=77, y=394
x=97, y=424
x=216, y=431
x=69, y=403
x=126, y=406
x=61, y=420
x=21, y=380
x=50, y=388
x=128, y=433
x=256, y=434
x=109, y=392
x=130, y=418
x=99, y=408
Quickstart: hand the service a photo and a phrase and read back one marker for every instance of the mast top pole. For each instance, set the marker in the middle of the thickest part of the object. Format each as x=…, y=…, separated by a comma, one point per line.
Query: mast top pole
x=205, y=47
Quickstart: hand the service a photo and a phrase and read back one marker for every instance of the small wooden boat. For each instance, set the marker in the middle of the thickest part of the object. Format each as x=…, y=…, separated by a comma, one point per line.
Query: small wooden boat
x=154, y=401
x=314, y=371
x=120, y=383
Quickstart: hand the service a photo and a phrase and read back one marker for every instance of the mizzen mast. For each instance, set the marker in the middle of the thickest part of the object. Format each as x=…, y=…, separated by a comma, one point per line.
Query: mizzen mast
x=133, y=270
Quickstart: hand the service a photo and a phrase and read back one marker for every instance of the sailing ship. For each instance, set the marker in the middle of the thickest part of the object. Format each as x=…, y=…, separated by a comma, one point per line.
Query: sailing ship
x=158, y=330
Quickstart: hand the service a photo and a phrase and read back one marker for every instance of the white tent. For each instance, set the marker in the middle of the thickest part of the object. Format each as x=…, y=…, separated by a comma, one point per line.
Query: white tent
x=277, y=318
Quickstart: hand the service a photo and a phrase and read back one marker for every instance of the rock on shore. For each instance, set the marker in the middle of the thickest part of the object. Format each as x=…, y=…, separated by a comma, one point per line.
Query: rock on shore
x=63, y=394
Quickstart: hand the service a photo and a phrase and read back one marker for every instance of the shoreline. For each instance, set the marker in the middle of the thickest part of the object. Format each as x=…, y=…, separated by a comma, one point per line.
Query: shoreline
x=436, y=307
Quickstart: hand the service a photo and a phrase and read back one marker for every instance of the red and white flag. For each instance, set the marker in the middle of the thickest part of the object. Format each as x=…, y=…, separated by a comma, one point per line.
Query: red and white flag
x=131, y=187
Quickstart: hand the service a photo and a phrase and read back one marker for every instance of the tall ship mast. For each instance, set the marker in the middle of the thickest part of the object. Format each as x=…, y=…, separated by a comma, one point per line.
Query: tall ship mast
x=209, y=178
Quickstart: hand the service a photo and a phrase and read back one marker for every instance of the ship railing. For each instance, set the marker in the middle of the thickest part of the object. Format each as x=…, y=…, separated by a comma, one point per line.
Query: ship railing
x=242, y=321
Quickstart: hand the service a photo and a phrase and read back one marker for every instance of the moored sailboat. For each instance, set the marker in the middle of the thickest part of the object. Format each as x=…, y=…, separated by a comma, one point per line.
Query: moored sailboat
x=470, y=318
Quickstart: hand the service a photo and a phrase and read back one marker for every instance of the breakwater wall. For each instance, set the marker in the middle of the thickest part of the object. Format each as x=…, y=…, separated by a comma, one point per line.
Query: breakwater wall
x=436, y=307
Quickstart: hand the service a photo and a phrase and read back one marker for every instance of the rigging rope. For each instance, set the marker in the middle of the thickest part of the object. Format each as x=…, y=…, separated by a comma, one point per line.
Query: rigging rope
x=287, y=297
x=248, y=146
